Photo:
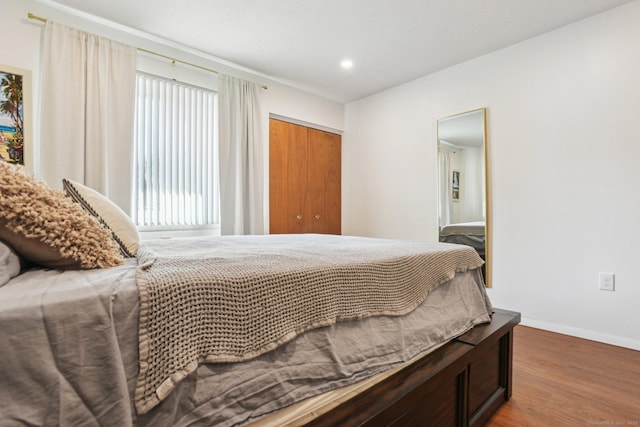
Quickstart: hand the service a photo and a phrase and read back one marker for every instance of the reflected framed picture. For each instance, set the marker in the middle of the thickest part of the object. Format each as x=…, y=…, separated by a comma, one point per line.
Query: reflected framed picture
x=15, y=113
x=456, y=186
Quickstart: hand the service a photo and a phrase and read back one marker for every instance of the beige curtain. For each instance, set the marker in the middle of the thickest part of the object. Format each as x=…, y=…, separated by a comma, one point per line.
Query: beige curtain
x=88, y=101
x=445, y=187
x=241, y=148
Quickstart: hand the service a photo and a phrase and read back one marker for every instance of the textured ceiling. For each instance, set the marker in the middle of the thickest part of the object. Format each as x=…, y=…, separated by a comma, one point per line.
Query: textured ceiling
x=302, y=42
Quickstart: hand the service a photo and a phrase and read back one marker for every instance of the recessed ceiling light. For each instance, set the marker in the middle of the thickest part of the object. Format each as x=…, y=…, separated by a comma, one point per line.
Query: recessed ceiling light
x=346, y=64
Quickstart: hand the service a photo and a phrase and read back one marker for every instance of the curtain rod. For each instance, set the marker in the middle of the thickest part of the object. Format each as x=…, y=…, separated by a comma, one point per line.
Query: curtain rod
x=173, y=60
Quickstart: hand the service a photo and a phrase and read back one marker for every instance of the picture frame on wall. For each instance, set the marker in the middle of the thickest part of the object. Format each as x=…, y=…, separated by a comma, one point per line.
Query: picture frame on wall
x=16, y=144
x=455, y=194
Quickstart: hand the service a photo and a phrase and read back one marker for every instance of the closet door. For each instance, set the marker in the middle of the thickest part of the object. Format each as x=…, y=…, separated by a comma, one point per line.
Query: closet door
x=304, y=179
x=287, y=177
x=324, y=182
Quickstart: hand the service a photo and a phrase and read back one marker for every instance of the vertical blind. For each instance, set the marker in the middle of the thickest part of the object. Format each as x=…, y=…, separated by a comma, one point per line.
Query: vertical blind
x=176, y=155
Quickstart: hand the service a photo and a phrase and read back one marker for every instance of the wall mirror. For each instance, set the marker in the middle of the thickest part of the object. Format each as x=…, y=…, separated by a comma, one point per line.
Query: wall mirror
x=462, y=183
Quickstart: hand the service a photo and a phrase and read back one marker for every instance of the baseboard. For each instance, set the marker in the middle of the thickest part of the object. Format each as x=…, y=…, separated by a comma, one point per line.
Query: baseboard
x=582, y=333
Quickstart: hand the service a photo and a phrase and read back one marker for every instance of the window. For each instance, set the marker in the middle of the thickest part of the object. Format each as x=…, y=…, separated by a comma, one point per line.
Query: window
x=175, y=156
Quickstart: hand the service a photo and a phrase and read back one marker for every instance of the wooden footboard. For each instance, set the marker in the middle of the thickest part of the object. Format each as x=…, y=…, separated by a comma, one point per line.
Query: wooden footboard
x=460, y=384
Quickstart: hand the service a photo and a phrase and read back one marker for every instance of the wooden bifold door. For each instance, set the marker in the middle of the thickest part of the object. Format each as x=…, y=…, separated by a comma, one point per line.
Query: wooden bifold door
x=304, y=179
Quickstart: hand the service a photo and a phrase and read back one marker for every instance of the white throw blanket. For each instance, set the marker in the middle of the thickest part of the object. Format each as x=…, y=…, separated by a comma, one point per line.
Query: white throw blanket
x=233, y=298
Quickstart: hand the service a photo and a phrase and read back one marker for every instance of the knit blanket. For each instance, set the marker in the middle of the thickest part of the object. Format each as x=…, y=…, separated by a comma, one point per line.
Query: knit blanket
x=232, y=298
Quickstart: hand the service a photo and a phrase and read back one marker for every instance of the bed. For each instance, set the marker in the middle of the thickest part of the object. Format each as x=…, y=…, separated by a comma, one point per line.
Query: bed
x=465, y=233
x=240, y=330
x=70, y=346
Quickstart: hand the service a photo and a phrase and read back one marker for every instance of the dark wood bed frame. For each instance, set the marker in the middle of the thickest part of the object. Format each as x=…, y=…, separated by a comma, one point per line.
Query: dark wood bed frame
x=460, y=384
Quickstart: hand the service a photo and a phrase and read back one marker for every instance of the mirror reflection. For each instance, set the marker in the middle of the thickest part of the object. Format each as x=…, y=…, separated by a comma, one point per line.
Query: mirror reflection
x=462, y=196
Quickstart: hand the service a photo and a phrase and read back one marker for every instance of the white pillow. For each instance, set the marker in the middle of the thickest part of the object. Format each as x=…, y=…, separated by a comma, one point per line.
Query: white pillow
x=9, y=264
x=124, y=231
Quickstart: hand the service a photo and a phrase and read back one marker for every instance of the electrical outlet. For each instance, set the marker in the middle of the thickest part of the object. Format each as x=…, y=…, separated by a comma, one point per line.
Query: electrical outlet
x=607, y=282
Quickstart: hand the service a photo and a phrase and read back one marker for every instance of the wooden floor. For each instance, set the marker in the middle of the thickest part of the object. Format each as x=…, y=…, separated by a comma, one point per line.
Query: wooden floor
x=560, y=381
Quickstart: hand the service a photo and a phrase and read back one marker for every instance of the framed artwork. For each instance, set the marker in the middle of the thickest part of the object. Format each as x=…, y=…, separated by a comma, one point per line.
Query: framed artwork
x=456, y=186
x=15, y=113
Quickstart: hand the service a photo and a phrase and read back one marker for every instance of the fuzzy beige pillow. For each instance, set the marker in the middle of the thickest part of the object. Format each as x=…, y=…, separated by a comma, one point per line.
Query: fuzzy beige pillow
x=45, y=227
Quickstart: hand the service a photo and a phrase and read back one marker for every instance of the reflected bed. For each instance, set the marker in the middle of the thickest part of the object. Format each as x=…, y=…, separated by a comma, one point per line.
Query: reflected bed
x=465, y=233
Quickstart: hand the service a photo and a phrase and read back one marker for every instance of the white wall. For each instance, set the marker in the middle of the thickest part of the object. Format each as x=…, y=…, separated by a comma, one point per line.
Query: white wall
x=564, y=143
x=22, y=50
x=469, y=207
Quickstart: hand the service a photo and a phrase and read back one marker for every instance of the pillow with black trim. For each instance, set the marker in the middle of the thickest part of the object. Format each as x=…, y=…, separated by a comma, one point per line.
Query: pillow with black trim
x=124, y=231
x=9, y=264
x=47, y=228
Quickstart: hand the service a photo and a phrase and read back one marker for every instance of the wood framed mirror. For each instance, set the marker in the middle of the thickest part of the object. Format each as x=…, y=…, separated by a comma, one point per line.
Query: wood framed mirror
x=462, y=183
